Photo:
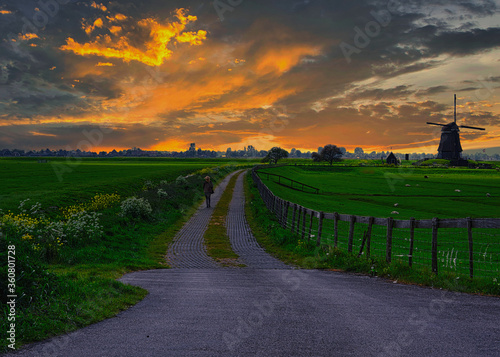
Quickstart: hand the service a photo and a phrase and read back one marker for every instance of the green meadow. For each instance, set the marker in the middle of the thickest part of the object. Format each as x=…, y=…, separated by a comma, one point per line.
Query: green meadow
x=374, y=191
x=62, y=182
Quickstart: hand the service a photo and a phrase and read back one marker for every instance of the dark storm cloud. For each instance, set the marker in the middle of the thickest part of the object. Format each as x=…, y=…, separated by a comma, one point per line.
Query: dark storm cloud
x=460, y=43
x=85, y=137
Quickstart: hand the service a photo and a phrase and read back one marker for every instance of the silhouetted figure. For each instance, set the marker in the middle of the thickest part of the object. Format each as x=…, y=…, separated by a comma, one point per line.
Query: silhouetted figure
x=208, y=188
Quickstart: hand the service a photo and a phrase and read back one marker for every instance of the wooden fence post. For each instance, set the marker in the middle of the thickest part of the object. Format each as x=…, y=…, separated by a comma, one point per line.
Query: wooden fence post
x=310, y=225
x=335, y=229
x=351, y=233
x=471, y=247
x=320, y=228
x=369, y=236
x=287, y=208
x=435, y=223
x=293, y=217
x=388, y=250
x=412, y=239
x=282, y=211
x=304, y=223
x=297, y=227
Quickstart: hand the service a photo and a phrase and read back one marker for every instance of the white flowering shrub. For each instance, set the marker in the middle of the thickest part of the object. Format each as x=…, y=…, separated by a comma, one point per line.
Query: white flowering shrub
x=82, y=227
x=148, y=185
x=181, y=181
x=33, y=210
x=134, y=207
x=162, y=194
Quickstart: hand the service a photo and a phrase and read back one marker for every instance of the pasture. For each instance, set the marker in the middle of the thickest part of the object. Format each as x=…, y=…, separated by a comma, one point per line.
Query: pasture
x=61, y=182
x=374, y=191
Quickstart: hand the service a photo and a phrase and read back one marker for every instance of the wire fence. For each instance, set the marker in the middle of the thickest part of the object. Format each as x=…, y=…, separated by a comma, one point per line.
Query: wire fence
x=465, y=246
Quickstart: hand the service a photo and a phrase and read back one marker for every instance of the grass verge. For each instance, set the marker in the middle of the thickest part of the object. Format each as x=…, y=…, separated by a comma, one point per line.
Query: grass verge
x=216, y=238
x=289, y=248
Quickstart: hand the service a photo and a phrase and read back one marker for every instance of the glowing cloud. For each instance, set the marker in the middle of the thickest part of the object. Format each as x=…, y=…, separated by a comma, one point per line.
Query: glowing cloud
x=28, y=36
x=99, y=6
x=99, y=23
x=105, y=64
x=155, y=49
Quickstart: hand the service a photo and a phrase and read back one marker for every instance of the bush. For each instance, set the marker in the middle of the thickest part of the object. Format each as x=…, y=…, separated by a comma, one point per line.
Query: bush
x=181, y=181
x=83, y=227
x=162, y=193
x=135, y=208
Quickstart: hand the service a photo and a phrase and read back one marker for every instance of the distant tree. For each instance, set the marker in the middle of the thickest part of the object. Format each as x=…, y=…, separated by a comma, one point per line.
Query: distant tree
x=275, y=154
x=331, y=153
x=316, y=157
x=358, y=151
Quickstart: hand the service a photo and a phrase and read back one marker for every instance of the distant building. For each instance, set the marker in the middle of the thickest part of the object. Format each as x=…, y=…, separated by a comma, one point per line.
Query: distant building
x=392, y=159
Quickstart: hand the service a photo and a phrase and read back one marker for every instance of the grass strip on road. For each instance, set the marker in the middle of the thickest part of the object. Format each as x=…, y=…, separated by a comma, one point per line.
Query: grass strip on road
x=216, y=238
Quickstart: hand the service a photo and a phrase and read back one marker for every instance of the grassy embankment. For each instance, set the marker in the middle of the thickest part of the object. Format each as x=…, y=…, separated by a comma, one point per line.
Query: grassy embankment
x=292, y=249
x=216, y=238
x=65, y=284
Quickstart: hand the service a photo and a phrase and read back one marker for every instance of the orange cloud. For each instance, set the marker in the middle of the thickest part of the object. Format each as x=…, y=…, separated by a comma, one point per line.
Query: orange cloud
x=5, y=12
x=283, y=59
x=99, y=23
x=156, y=50
x=117, y=17
x=104, y=64
x=28, y=36
x=99, y=6
x=35, y=133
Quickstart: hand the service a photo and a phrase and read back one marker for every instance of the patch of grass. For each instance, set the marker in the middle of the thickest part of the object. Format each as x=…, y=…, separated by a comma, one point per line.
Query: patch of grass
x=216, y=239
x=291, y=249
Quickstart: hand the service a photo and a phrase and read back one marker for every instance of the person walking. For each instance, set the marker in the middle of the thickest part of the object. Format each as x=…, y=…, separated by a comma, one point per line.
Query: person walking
x=208, y=188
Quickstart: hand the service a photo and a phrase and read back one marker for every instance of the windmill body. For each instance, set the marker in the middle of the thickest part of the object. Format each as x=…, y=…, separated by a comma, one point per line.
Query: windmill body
x=449, y=146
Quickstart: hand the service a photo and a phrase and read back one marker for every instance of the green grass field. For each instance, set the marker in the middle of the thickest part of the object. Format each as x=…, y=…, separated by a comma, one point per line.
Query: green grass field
x=373, y=191
x=60, y=182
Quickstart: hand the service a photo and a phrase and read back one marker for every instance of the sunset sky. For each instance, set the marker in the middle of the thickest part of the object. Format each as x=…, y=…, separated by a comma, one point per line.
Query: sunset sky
x=159, y=74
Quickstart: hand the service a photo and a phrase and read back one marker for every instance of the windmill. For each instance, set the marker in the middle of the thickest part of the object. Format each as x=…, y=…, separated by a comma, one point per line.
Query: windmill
x=449, y=146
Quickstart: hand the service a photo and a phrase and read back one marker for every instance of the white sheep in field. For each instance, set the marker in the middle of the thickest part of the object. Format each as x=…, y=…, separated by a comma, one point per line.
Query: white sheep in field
x=396, y=204
x=394, y=212
x=488, y=195
x=457, y=190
